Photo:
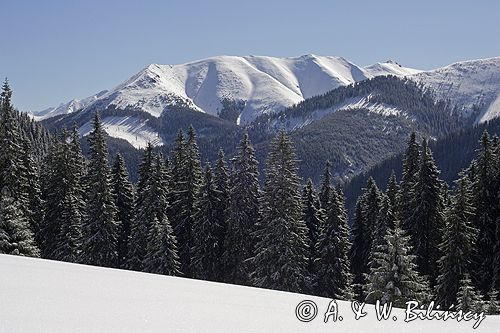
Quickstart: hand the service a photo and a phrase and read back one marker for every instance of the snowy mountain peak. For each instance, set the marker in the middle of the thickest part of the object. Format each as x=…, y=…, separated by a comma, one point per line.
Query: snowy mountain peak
x=264, y=83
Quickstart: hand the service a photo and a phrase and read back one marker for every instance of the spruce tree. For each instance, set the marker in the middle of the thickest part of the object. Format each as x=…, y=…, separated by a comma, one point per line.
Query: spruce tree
x=186, y=179
x=333, y=276
x=326, y=191
x=457, y=247
x=154, y=206
x=60, y=233
x=139, y=225
x=243, y=214
x=411, y=166
x=485, y=199
x=15, y=234
x=313, y=218
x=12, y=173
x=394, y=277
x=100, y=230
x=359, y=252
x=206, y=260
x=468, y=298
x=221, y=181
x=124, y=201
x=393, y=192
x=281, y=252
x=161, y=251
x=427, y=220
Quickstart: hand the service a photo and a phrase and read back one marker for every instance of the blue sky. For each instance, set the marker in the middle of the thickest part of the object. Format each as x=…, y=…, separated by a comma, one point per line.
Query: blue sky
x=53, y=51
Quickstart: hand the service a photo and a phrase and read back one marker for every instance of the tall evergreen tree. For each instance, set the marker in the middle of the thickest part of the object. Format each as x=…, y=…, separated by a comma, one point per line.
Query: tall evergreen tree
x=411, y=167
x=60, y=233
x=326, y=191
x=12, y=173
x=281, y=253
x=100, y=230
x=186, y=177
x=427, y=220
x=221, y=181
x=394, y=278
x=392, y=192
x=15, y=234
x=161, y=251
x=206, y=260
x=139, y=227
x=313, y=218
x=243, y=214
x=486, y=203
x=359, y=251
x=459, y=240
x=333, y=276
x=124, y=201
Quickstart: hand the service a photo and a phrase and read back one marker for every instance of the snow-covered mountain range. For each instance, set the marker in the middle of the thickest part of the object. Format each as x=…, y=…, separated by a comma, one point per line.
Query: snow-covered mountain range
x=267, y=84
x=263, y=83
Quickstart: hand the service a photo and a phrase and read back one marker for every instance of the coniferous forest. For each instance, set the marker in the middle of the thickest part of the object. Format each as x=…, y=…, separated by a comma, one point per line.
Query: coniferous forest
x=420, y=239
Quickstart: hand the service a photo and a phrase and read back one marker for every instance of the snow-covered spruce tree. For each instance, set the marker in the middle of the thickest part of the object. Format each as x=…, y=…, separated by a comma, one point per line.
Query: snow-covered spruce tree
x=243, y=214
x=392, y=191
x=411, y=166
x=492, y=306
x=313, y=218
x=161, y=250
x=457, y=247
x=60, y=233
x=206, y=261
x=12, y=172
x=139, y=225
x=359, y=252
x=385, y=221
x=124, y=201
x=427, y=220
x=221, y=181
x=333, y=276
x=100, y=230
x=155, y=202
x=281, y=252
x=394, y=278
x=485, y=200
x=467, y=297
x=32, y=190
x=367, y=214
x=326, y=191
x=186, y=179
x=15, y=234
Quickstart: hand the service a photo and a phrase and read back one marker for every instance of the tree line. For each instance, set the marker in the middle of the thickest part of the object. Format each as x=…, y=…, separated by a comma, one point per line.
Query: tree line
x=418, y=240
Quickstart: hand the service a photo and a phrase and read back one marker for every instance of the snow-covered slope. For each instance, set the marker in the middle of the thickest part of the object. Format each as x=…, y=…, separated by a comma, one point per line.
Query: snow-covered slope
x=47, y=296
x=264, y=83
x=472, y=86
x=69, y=107
x=132, y=129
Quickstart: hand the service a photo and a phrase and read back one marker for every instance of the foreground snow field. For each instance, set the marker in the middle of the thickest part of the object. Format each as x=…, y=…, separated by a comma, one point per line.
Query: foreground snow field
x=46, y=296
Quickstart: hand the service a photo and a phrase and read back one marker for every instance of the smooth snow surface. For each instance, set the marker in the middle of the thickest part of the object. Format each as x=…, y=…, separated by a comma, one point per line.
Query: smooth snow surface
x=48, y=296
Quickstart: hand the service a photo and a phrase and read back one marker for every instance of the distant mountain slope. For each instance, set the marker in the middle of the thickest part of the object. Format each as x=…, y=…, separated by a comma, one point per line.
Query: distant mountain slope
x=472, y=86
x=263, y=84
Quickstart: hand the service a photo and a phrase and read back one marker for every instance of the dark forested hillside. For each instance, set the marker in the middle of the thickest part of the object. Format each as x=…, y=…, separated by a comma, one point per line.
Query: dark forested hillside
x=452, y=154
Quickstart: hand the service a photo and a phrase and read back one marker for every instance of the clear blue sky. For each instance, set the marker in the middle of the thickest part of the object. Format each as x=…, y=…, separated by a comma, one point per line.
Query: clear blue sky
x=55, y=50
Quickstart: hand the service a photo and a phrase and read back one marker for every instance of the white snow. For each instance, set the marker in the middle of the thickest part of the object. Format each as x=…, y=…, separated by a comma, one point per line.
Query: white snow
x=47, y=296
x=134, y=130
